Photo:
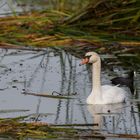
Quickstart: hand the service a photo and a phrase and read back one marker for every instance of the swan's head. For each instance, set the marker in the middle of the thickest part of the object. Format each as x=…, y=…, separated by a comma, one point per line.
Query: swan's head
x=90, y=57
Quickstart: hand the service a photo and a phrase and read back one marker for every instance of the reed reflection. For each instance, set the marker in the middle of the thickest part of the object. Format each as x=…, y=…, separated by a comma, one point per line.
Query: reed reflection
x=115, y=118
x=57, y=70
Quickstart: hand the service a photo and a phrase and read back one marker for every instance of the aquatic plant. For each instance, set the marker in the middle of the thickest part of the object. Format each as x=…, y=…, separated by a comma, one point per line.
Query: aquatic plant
x=99, y=23
x=18, y=130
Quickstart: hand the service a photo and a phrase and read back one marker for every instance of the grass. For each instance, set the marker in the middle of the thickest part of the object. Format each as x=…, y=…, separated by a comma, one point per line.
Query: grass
x=58, y=28
x=14, y=129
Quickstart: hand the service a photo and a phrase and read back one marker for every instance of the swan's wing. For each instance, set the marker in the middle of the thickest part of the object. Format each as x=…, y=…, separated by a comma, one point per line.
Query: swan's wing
x=113, y=94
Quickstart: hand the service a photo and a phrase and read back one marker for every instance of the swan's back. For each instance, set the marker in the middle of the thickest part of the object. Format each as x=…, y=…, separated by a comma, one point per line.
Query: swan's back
x=112, y=94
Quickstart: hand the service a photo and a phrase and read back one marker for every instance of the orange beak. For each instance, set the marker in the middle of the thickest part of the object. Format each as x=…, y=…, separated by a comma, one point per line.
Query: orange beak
x=84, y=61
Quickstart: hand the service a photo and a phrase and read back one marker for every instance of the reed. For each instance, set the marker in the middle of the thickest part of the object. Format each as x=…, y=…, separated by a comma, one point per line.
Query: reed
x=99, y=24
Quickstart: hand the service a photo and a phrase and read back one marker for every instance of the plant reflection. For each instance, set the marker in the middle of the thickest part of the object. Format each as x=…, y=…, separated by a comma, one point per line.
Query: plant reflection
x=57, y=70
x=115, y=118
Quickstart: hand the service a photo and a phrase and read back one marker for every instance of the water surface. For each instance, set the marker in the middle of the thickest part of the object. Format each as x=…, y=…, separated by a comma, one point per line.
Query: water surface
x=56, y=70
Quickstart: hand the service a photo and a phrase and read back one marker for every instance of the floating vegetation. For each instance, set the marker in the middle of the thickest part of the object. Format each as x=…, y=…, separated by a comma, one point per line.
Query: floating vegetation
x=13, y=128
x=18, y=130
x=48, y=96
x=13, y=110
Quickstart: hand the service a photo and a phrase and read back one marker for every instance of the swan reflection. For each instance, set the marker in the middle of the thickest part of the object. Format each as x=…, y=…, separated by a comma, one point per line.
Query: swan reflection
x=115, y=118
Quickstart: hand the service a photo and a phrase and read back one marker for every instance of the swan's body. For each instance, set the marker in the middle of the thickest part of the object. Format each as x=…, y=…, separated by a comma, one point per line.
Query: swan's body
x=106, y=94
x=109, y=94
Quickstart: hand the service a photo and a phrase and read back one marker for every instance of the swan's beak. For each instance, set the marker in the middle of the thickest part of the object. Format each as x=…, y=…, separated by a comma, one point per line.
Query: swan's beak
x=84, y=61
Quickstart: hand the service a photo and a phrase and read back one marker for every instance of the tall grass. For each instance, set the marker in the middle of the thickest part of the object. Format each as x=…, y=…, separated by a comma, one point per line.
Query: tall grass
x=108, y=13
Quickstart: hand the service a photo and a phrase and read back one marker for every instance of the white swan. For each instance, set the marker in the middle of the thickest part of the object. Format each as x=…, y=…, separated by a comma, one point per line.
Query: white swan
x=105, y=94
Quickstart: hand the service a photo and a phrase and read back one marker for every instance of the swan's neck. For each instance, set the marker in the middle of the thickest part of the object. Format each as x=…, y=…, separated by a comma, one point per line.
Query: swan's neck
x=96, y=80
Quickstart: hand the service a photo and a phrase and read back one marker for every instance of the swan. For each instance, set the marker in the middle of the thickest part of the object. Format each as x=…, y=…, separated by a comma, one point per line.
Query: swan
x=105, y=94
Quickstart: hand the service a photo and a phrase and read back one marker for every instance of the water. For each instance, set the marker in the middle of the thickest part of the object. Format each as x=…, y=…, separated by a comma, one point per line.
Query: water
x=12, y=7
x=41, y=74
x=56, y=70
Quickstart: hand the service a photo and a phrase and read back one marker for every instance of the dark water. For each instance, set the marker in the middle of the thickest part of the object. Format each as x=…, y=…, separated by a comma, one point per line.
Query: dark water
x=55, y=70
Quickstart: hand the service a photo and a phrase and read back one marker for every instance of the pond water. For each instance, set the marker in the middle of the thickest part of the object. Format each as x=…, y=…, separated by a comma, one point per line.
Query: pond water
x=56, y=70
x=12, y=7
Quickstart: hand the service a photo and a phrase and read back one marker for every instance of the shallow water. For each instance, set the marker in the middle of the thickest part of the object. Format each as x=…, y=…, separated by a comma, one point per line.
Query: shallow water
x=56, y=70
x=42, y=73
x=12, y=7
